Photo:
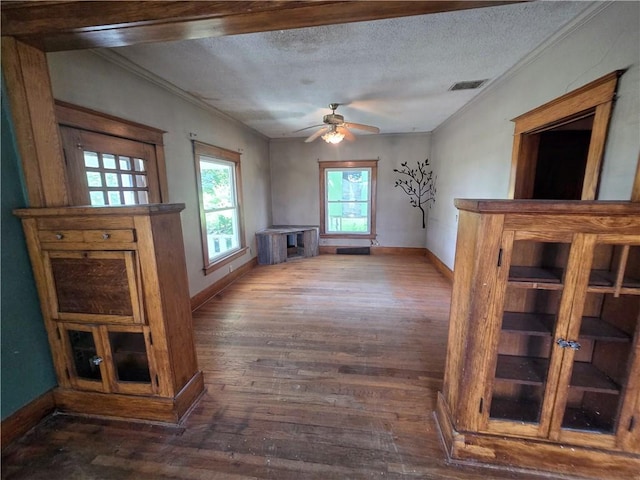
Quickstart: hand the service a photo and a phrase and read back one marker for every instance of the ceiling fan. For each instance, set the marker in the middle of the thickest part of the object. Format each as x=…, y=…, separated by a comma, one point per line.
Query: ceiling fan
x=335, y=129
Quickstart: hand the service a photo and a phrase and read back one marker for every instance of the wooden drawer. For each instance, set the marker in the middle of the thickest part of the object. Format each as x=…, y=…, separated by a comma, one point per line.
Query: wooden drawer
x=87, y=236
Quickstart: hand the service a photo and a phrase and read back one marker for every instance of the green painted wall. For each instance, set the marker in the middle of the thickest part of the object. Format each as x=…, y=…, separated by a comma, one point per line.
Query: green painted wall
x=26, y=368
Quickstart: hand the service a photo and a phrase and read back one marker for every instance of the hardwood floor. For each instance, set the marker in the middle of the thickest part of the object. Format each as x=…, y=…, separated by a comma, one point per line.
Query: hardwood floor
x=323, y=368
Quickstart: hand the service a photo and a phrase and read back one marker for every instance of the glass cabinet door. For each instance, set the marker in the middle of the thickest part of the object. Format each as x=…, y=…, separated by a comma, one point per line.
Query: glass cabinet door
x=86, y=359
x=110, y=358
x=605, y=355
x=529, y=317
x=130, y=368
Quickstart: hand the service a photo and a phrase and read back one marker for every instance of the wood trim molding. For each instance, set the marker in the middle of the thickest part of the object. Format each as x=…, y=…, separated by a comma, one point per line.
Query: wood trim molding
x=51, y=27
x=212, y=290
x=440, y=265
x=23, y=420
x=29, y=93
x=94, y=121
x=635, y=190
x=323, y=166
x=595, y=98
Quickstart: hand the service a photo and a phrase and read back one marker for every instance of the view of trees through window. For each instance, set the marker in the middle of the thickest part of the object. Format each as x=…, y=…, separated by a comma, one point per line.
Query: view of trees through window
x=220, y=205
x=348, y=200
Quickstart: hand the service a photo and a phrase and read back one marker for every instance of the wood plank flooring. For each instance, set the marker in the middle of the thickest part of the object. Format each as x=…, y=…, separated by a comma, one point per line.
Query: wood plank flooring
x=321, y=368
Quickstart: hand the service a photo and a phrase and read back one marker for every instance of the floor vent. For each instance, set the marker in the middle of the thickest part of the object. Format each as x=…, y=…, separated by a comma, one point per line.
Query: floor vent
x=354, y=251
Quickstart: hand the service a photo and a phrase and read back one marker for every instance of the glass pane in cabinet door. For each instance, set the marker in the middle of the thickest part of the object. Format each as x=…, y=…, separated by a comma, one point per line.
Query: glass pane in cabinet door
x=605, y=343
x=130, y=359
x=85, y=356
x=524, y=349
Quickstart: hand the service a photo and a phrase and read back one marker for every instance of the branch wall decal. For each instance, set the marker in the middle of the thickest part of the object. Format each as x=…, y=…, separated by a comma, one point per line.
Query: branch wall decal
x=419, y=184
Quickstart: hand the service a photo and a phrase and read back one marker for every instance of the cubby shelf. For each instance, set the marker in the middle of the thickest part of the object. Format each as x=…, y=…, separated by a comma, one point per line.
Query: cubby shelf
x=535, y=277
x=522, y=370
x=586, y=377
x=535, y=324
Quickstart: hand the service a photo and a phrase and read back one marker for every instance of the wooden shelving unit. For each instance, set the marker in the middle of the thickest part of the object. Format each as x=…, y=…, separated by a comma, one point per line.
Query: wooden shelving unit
x=544, y=339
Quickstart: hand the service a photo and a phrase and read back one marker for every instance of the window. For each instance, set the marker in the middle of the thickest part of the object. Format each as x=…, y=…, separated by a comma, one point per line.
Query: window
x=219, y=192
x=348, y=199
x=110, y=161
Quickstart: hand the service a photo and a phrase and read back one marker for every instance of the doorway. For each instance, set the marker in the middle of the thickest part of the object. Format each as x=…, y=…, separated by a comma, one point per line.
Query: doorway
x=562, y=161
x=558, y=147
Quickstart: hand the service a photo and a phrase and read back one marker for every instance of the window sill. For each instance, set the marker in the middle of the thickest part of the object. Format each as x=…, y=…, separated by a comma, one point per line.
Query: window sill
x=221, y=262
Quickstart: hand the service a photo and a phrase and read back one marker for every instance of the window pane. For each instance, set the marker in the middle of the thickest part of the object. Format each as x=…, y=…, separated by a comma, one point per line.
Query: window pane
x=94, y=179
x=139, y=164
x=222, y=232
x=114, y=197
x=141, y=180
x=91, y=159
x=217, y=185
x=109, y=161
x=143, y=197
x=347, y=202
x=127, y=180
x=125, y=163
x=111, y=179
x=97, y=199
x=129, y=197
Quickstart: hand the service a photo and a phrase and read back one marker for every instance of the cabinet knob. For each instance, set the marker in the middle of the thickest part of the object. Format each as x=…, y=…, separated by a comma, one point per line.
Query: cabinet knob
x=59, y=236
x=96, y=360
x=106, y=236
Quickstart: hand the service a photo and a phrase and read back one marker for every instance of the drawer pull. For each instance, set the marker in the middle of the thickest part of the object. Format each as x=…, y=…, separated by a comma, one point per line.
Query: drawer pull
x=106, y=236
x=59, y=236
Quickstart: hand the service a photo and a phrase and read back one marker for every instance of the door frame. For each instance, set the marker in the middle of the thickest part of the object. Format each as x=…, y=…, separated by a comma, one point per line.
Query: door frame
x=595, y=98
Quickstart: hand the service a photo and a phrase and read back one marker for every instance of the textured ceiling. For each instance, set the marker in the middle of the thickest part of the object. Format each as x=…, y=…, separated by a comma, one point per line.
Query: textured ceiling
x=394, y=74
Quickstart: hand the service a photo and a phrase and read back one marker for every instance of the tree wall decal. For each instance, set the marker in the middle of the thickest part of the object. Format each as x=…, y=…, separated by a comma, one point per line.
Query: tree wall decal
x=419, y=184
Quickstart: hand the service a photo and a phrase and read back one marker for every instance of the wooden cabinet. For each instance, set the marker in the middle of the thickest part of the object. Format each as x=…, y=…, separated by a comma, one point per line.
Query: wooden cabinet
x=279, y=244
x=543, y=360
x=113, y=288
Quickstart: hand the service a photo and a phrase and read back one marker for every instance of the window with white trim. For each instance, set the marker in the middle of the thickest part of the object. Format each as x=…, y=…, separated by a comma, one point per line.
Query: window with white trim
x=219, y=192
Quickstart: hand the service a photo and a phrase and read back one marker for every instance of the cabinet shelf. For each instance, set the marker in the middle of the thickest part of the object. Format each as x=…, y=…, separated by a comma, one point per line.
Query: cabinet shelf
x=536, y=277
x=514, y=409
x=522, y=370
x=597, y=329
x=536, y=324
x=603, y=281
x=586, y=377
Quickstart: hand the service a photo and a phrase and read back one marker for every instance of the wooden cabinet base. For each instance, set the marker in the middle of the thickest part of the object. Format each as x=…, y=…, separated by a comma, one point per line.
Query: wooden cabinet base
x=540, y=456
x=159, y=409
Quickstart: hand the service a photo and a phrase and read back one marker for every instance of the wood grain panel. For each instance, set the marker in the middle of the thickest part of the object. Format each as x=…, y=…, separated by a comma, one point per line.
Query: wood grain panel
x=55, y=26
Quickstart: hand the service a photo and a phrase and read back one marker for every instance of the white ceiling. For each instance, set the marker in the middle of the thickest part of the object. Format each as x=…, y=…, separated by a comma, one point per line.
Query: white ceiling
x=394, y=74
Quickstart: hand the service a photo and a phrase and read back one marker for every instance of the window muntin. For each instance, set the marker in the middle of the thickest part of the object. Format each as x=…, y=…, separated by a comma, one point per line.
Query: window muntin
x=115, y=179
x=219, y=191
x=348, y=199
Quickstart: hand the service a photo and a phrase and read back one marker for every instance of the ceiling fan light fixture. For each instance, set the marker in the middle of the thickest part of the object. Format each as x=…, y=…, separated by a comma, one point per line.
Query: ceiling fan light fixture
x=333, y=136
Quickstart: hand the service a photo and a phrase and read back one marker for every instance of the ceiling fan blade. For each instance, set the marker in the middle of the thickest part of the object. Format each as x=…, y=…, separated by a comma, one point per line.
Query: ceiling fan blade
x=360, y=126
x=316, y=135
x=347, y=134
x=307, y=128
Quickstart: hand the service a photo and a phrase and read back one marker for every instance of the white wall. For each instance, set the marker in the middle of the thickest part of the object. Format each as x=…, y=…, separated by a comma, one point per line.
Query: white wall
x=88, y=80
x=296, y=187
x=471, y=152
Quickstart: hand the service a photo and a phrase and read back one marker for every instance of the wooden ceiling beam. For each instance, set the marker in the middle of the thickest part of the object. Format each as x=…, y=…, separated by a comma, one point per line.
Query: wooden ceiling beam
x=70, y=25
